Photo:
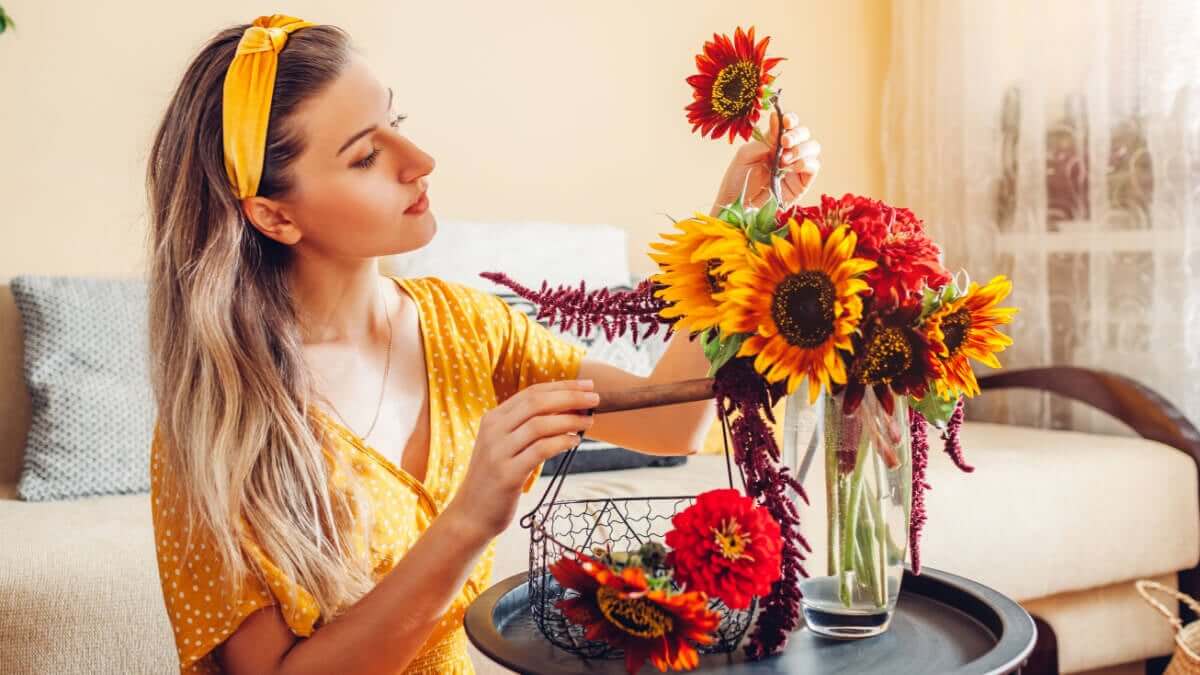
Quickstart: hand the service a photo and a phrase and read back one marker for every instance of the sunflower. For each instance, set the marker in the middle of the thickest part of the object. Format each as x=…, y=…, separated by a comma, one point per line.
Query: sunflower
x=729, y=86
x=893, y=357
x=727, y=546
x=966, y=329
x=696, y=263
x=621, y=609
x=800, y=297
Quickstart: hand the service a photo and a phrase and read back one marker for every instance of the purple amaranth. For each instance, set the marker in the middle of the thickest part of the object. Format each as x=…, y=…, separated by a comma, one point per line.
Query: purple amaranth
x=741, y=390
x=920, y=460
x=582, y=310
x=950, y=436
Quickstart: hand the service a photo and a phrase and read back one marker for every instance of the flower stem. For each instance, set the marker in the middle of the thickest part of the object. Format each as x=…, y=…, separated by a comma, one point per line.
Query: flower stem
x=850, y=527
x=868, y=574
x=776, y=174
x=833, y=481
x=880, y=535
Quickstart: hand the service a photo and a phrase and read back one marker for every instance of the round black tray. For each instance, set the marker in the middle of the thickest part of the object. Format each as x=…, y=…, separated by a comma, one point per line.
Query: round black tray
x=943, y=624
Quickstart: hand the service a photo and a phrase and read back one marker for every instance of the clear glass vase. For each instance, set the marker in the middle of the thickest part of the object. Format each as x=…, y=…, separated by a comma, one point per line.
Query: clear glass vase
x=868, y=488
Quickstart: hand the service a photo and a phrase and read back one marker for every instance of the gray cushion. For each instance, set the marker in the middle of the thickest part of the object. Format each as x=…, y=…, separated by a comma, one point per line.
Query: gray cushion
x=86, y=370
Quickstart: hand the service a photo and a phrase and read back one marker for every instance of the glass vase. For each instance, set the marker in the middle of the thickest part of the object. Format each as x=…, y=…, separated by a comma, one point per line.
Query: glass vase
x=868, y=488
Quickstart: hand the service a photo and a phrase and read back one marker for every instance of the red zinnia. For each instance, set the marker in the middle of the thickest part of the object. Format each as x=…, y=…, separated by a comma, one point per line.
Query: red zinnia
x=621, y=609
x=727, y=546
x=729, y=86
x=908, y=260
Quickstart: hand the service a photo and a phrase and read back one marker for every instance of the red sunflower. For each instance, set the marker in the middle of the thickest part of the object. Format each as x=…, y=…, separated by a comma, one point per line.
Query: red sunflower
x=893, y=357
x=621, y=609
x=729, y=86
x=727, y=546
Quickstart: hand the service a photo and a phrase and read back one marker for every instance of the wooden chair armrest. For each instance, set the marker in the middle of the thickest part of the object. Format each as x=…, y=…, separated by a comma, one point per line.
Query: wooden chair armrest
x=1138, y=406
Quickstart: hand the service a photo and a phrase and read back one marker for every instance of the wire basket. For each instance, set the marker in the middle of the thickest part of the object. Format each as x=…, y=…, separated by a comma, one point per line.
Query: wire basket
x=571, y=527
x=561, y=528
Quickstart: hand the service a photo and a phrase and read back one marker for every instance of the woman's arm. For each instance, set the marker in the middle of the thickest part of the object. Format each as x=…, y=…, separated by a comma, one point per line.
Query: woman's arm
x=384, y=630
x=670, y=430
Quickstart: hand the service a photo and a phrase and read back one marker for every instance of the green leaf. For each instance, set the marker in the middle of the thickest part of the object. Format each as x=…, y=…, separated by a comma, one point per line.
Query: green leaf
x=765, y=219
x=725, y=351
x=708, y=340
x=765, y=101
x=6, y=21
x=935, y=409
x=733, y=215
x=930, y=301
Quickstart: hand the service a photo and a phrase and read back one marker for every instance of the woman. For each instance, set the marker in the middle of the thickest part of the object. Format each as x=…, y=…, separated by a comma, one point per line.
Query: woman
x=336, y=450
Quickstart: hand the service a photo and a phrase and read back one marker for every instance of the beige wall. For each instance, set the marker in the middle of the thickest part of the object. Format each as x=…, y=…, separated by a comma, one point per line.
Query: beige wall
x=561, y=111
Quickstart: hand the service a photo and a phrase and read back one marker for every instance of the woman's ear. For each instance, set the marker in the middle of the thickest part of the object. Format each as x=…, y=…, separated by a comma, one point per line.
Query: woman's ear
x=269, y=217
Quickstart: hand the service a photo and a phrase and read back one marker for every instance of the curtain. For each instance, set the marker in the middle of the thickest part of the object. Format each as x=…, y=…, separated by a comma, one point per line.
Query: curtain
x=1059, y=144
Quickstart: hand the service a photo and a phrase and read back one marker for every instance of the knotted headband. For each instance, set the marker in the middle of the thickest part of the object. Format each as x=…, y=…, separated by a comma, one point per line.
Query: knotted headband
x=246, y=102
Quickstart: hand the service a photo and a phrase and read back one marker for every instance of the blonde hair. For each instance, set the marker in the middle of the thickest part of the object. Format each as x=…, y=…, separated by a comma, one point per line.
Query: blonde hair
x=230, y=381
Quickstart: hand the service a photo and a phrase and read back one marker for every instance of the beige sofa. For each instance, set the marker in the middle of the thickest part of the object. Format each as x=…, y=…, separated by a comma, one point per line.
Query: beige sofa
x=1063, y=522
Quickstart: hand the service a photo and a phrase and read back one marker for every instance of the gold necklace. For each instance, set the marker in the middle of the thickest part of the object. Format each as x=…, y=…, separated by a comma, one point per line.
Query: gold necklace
x=387, y=364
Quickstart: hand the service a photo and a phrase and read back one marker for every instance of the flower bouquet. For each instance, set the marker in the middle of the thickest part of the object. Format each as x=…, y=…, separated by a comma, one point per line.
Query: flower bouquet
x=848, y=299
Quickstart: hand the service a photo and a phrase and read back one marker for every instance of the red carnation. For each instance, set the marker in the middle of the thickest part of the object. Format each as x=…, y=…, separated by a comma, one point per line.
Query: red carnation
x=908, y=260
x=727, y=546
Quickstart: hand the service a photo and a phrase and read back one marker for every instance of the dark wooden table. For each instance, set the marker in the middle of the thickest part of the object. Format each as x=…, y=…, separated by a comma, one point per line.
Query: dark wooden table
x=943, y=624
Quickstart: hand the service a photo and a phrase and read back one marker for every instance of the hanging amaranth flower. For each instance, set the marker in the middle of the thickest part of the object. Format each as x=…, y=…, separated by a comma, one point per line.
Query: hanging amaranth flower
x=768, y=481
x=582, y=310
x=728, y=90
x=920, y=460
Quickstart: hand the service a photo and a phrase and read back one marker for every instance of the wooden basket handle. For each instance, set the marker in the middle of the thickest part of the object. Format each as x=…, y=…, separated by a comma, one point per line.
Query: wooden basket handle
x=654, y=395
x=1144, y=588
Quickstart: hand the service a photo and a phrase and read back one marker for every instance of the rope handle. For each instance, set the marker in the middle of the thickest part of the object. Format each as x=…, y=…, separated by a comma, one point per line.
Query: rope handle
x=1144, y=588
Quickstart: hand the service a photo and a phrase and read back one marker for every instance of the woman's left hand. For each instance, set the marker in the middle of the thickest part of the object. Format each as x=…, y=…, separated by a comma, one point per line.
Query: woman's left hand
x=751, y=166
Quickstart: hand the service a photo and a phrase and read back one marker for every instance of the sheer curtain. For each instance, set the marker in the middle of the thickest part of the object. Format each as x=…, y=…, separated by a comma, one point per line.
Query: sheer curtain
x=1059, y=143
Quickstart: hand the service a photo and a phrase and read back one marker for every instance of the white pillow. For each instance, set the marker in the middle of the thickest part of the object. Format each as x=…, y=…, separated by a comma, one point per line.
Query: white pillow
x=529, y=253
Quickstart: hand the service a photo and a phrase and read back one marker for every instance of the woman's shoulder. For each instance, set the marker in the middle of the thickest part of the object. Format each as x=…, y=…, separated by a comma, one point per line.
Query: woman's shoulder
x=437, y=294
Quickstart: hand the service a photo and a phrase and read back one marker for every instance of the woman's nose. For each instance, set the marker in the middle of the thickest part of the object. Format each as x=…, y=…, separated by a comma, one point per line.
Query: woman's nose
x=414, y=162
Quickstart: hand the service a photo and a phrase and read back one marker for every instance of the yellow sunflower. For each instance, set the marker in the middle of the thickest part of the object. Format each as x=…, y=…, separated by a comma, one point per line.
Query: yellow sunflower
x=695, y=263
x=800, y=297
x=966, y=329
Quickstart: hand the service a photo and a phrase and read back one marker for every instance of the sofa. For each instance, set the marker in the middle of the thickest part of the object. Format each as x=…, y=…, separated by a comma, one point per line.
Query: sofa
x=1063, y=522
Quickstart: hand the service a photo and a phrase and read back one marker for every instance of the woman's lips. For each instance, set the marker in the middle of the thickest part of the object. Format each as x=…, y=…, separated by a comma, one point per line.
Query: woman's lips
x=419, y=206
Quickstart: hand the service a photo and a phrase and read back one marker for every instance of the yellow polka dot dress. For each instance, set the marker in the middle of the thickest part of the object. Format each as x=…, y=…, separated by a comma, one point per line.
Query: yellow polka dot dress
x=478, y=352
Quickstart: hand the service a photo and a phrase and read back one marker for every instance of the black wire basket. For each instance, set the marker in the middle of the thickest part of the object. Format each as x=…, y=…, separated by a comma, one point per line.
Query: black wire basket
x=571, y=527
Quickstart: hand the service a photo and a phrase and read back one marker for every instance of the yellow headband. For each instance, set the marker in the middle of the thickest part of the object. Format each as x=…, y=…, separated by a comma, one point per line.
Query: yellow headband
x=246, y=106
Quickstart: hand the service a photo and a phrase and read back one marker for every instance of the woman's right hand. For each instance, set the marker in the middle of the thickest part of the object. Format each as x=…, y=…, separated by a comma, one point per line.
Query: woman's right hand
x=514, y=438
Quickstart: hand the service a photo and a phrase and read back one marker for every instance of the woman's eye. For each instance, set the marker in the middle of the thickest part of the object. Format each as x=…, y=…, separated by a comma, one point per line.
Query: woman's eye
x=398, y=119
x=366, y=162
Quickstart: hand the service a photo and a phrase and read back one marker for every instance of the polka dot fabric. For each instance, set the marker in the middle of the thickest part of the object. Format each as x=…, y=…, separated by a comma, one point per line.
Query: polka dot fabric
x=478, y=352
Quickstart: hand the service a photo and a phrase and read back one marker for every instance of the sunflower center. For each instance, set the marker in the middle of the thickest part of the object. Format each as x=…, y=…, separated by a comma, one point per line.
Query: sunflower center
x=735, y=89
x=954, y=328
x=638, y=617
x=731, y=541
x=888, y=355
x=716, y=282
x=803, y=308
